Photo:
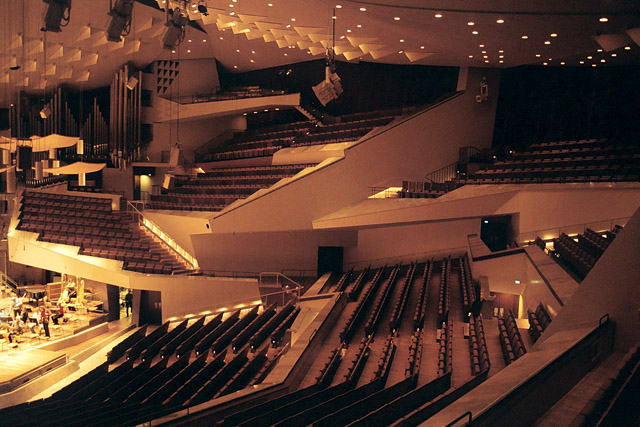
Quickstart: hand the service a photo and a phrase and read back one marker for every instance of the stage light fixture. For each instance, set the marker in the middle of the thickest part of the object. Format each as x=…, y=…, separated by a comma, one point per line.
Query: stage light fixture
x=57, y=15
x=202, y=8
x=176, y=20
x=120, y=25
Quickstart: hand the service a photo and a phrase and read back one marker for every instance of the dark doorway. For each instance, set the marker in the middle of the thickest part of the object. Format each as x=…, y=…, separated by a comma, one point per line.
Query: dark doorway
x=505, y=302
x=150, y=308
x=113, y=302
x=330, y=259
x=495, y=232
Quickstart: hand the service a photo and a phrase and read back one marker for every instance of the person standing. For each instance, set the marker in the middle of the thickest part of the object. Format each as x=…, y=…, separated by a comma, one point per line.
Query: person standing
x=45, y=314
x=128, y=302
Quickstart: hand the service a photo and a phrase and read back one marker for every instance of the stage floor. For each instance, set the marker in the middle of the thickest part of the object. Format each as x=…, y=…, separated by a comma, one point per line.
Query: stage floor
x=16, y=369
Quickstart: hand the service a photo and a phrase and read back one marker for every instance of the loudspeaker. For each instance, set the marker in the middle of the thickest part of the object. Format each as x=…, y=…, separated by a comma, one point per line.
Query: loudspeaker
x=169, y=182
x=131, y=84
x=176, y=156
x=25, y=160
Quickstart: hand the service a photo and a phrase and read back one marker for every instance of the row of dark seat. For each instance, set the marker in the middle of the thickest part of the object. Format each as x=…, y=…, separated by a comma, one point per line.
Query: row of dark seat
x=356, y=366
x=385, y=360
x=380, y=301
x=467, y=291
x=421, y=306
x=539, y=319
x=343, y=282
x=444, y=297
x=445, y=349
x=577, y=256
x=358, y=284
x=325, y=376
x=478, y=346
x=510, y=338
x=415, y=355
x=361, y=307
x=401, y=301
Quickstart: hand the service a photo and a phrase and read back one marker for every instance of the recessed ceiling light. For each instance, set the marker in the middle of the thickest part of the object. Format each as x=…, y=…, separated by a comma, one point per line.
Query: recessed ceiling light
x=475, y=33
x=500, y=56
x=627, y=48
x=237, y=50
x=603, y=19
x=484, y=51
x=396, y=18
x=235, y=66
x=342, y=37
x=589, y=57
x=293, y=19
x=359, y=25
x=269, y=4
x=485, y=56
x=285, y=54
x=599, y=51
x=545, y=63
x=486, y=61
x=188, y=50
x=471, y=23
x=338, y=6
x=334, y=17
x=562, y=63
x=594, y=65
x=253, y=51
x=500, y=21
x=614, y=55
x=195, y=5
x=553, y=35
x=221, y=38
x=348, y=31
x=550, y=59
x=421, y=47
x=401, y=40
x=438, y=15
x=232, y=13
x=288, y=26
x=363, y=9
x=547, y=42
x=525, y=37
x=470, y=56
x=189, y=40
x=173, y=51
x=501, y=61
x=603, y=60
x=400, y=51
x=204, y=40
x=480, y=45
x=501, y=51
x=251, y=60
x=537, y=55
x=582, y=62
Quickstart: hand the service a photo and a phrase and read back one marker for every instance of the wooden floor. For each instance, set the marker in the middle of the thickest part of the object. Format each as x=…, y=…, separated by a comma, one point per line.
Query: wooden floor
x=20, y=366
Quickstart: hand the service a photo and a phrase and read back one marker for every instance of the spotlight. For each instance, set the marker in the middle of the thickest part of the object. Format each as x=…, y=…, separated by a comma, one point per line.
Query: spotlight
x=120, y=24
x=57, y=15
x=176, y=20
x=202, y=8
x=45, y=112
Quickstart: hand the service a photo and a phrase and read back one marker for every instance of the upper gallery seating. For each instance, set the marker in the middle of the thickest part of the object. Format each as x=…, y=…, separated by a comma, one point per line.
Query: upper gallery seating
x=264, y=141
x=235, y=93
x=213, y=191
x=91, y=224
x=538, y=321
x=584, y=160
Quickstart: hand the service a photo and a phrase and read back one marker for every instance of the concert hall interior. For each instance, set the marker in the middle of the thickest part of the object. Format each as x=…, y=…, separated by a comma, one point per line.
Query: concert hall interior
x=353, y=212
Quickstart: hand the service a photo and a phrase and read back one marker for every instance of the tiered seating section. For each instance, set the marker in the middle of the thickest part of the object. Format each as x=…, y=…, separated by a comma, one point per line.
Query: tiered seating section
x=236, y=93
x=267, y=140
x=585, y=160
x=443, y=298
x=151, y=380
x=445, y=351
x=478, y=346
x=582, y=252
x=213, y=191
x=538, y=321
x=99, y=231
x=510, y=338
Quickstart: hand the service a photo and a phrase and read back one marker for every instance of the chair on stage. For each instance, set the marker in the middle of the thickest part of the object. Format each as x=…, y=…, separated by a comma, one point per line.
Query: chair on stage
x=14, y=347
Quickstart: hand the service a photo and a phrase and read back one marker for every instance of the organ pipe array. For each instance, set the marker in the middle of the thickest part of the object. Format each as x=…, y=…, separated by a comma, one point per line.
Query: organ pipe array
x=126, y=106
x=95, y=132
x=26, y=121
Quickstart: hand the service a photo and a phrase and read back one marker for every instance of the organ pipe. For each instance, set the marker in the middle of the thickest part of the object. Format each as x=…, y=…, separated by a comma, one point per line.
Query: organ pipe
x=125, y=115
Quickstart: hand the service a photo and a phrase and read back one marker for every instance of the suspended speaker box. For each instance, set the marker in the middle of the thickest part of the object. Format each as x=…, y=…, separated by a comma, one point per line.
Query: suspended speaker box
x=176, y=156
x=169, y=182
x=25, y=160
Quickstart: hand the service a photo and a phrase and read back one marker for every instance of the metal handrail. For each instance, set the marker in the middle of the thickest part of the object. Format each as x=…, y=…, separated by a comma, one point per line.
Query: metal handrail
x=8, y=281
x=157, y=231
x=277, y=276
x=467, y=414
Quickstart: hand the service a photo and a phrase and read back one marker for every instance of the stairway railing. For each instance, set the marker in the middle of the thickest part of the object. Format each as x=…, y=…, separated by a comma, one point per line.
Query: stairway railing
x=9, y=282
x=157, y=231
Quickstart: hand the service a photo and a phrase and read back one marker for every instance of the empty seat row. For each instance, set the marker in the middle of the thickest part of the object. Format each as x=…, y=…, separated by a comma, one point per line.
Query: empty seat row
x=421, y=306
x=401, y=301
x=510, y=338
x=539, y=319
x=478, y=346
